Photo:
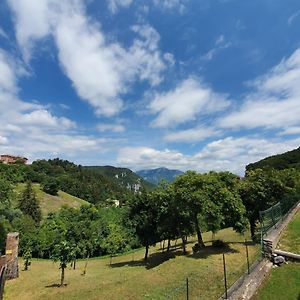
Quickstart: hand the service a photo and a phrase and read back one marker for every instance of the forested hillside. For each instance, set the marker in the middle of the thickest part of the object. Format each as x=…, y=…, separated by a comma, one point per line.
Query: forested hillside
x=290, y=159
x=74, y=179
x=123, y=176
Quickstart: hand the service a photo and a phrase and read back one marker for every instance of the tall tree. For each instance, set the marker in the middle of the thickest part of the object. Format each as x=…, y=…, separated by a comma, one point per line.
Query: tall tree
x=143, y=212
x=28, y=203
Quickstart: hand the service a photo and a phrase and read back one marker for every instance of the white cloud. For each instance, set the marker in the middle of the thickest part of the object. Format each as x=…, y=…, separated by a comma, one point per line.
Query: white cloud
x=44, y=118
x=3, y=140
x=219, y=45
x=31, y=130
x=100, y=71
x=191, y=135
x=274, y=103
x=3, y=33
x=114, y=5
x=228, y=154
x=178, y=5
x=144, y=157
x=190, y=99
x=293, y=17
x=111, y=127
x=290, y=131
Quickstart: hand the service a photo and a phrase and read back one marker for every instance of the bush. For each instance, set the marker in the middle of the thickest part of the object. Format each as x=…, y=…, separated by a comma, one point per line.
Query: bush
x=219, y=244
x=50, y=186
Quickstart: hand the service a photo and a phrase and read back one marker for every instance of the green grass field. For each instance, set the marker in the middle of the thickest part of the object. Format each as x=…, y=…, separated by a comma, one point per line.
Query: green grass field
x=284, y=282
x=49, y=203
x=163, y=277
x=290, y=240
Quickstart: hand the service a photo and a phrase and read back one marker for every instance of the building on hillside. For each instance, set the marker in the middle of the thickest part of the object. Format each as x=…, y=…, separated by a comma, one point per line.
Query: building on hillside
x=11, y=159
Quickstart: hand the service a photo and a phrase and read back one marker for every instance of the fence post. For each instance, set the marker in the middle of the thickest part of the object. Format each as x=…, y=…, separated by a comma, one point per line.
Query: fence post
x=187, y=288
x=247, y=254
x=225, y=279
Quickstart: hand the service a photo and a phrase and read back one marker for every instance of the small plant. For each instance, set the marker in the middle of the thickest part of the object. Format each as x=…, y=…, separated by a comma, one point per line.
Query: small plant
x=27, y=258
x=218, y=244
x=196, y=248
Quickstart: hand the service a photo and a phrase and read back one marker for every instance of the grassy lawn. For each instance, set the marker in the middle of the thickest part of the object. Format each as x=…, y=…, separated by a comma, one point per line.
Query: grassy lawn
x=283, y=284
x=49, y=203
x=284, y=281
x=290, y=240
x=163, y=277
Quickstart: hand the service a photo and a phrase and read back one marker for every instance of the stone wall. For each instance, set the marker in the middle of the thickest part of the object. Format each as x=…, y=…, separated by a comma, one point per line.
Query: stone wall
x=11, y=253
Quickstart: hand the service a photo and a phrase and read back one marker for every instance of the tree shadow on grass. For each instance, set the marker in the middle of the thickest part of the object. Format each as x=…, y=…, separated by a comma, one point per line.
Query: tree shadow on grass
x=56, y=285
x=158, y=258
x=210, y=250
x=154, y=260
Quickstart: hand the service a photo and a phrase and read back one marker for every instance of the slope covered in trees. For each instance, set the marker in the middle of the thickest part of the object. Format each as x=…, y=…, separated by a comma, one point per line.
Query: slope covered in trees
x=290, y=159
x=122, y=176
x=73, y=179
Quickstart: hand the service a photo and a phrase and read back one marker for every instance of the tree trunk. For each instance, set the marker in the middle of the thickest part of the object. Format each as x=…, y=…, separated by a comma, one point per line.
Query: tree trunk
x=252, y=228
x=26, y=265
x=163, y=249
x=62, y=278
x=74, y=264
x=146, y=253
x=169, y=245
x=198, y=231
x=183, y=245
x=85, y=265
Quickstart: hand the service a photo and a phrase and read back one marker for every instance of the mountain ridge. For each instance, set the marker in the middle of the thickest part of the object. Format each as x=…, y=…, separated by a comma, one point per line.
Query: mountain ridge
x=156, y=175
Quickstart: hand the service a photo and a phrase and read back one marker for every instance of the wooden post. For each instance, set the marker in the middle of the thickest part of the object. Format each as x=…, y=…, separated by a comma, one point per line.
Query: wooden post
x=187, y=288
x=247, y=254
x=225, y=279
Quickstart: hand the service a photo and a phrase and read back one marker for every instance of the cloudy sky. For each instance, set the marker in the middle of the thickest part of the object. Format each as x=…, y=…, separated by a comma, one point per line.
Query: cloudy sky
x=185, y=84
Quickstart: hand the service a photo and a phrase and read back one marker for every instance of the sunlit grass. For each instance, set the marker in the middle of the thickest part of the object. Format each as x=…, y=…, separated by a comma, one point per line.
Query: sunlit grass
x=49, y=203
x=163, y=277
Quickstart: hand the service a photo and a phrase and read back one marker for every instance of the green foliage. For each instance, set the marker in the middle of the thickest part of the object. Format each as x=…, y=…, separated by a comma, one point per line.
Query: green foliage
x=27, y=256
x=122, y=176
x=144, y=215
x=63, y=253
x=50, y=186
x=29, y=204
x=290, y=159
x=261, y=189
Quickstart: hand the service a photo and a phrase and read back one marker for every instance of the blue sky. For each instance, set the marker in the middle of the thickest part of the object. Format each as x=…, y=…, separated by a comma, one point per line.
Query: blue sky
x=184, y=84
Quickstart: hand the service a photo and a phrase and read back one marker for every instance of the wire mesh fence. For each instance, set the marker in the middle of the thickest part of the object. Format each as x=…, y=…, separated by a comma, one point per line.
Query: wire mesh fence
x=270, y=217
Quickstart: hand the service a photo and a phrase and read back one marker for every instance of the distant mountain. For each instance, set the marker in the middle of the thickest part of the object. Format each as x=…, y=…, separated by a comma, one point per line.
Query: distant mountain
x=156, y=175
x=123, y=177
x=290, y=159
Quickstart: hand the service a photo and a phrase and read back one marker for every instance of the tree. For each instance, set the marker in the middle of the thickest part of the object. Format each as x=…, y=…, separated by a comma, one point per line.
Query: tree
x=214, y=198
x=27, y=256
x=259, y=190
x=144, y=214
x=63, y=253
x=51, y=186
x=29, y=204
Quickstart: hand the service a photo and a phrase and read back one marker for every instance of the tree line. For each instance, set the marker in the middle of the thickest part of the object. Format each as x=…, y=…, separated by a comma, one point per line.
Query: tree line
x=192, y=204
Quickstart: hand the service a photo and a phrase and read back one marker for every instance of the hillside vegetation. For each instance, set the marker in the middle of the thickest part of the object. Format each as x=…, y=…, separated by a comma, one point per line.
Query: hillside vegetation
x=50, y=203
x=123, y=176
x=129, y=277
x=290, y=159
x=73, y=179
